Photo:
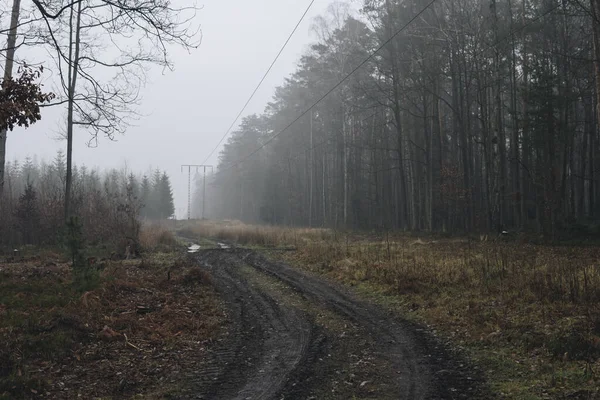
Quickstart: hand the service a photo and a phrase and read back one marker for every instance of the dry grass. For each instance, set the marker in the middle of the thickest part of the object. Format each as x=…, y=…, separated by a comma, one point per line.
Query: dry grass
x=529, y=314
x=253, y=235
x=156, y=235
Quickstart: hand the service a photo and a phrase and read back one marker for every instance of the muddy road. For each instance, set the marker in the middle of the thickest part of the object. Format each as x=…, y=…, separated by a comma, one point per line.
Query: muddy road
x=292, y=335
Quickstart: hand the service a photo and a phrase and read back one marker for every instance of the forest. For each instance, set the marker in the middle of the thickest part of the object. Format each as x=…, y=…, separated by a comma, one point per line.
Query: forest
x=109, y=203
x=453, y=116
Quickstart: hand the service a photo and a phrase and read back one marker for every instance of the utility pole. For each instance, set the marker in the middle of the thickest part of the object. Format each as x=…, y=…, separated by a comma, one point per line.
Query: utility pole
x=196, y=168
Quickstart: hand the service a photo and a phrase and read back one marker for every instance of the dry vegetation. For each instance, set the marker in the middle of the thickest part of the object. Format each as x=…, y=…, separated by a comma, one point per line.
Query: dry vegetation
x=253, y=235
x=156, y=235
x=141, y=331
x=529, y=314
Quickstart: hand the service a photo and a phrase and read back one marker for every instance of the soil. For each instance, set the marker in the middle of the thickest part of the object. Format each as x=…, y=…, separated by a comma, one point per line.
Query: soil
x=293, y=335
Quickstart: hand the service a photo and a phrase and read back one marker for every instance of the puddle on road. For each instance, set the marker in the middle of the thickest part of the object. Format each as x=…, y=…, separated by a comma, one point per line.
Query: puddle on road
x=193, y=248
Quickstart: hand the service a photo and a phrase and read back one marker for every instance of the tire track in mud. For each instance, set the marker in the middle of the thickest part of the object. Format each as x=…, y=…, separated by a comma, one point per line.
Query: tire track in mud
x=265, y=342
x=424, y=367
x=275, y=350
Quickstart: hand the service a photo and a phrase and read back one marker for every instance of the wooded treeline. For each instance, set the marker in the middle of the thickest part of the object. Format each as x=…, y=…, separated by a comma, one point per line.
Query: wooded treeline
x=108, y=203
x=480, y=115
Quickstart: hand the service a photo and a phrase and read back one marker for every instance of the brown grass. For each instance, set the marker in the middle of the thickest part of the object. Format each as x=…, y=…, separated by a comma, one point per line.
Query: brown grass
x=253, y=235
x=529, y=314
x=156, y=235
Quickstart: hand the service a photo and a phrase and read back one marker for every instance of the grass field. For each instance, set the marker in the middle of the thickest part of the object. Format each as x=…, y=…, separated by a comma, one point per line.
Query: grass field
x=528, y=314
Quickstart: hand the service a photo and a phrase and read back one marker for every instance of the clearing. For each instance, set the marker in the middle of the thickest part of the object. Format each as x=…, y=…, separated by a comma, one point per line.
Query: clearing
x=292, y=335
x=527, y=314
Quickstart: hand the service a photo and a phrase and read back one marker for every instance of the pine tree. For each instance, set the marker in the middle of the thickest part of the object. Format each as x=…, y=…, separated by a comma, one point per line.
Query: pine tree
x=155, y=196
x=59, y=166
x=167, y=206
x=29, y=170
x=27, y=213
x=133, y=186
x=94, y=180
x=145, y=194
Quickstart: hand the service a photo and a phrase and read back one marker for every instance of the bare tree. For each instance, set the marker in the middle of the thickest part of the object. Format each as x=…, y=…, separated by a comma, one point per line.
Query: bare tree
x=102, y=50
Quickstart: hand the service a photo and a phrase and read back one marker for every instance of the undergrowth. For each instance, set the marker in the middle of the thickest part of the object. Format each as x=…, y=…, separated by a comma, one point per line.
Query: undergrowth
x=59, y=339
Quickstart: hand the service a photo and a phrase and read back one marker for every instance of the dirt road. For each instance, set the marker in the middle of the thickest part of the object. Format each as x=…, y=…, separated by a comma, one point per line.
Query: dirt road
x=295, y=336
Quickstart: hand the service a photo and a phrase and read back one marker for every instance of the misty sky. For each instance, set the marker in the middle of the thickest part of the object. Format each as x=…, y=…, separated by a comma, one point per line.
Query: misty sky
x=186, y=111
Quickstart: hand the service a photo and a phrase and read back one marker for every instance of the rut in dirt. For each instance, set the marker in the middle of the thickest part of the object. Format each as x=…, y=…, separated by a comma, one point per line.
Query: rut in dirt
x=273, y=350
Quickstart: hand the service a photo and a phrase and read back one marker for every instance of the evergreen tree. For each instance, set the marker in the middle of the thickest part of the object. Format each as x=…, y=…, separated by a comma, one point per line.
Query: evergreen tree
x=157, y=196
x=111, y=183
x=145, y=195
x=167, y=206
x=133, y=186
x=94, y=181
x=28, y=216
x=59, y=166
x=29, y=170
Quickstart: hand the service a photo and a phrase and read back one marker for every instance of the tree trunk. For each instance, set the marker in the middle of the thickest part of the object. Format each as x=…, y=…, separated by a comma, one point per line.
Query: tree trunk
x=525, y=167
x=515, y=162
x=588, y=112
x=73, y=71
x=401, y=185
x=311, y=172
x=323, y=193
x=595, y=9
x=500, y=131
x=345, y=169
x=8, y=68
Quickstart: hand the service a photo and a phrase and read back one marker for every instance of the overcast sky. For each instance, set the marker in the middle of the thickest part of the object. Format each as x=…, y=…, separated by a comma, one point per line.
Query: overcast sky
x=189, y=109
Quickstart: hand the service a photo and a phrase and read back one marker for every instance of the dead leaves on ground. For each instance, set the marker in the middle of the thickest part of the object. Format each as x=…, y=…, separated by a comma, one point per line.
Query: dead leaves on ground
x=136, y=333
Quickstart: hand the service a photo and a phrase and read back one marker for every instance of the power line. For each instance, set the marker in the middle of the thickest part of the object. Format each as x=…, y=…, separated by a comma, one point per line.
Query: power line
x=261, y=81
x=196, y=167
x=335, y=86
x=493, y=45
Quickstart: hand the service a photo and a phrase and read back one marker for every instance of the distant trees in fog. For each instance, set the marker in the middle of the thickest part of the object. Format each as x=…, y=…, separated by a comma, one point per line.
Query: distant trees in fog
x=107, y=201
x=480, y=115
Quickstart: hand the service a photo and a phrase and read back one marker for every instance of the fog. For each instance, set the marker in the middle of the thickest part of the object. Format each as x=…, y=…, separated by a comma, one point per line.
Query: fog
x=186, y=111
x=438, y=156
x=402, y=115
